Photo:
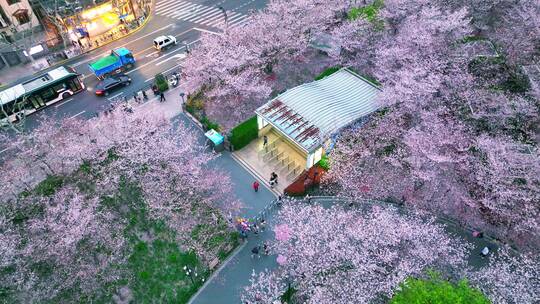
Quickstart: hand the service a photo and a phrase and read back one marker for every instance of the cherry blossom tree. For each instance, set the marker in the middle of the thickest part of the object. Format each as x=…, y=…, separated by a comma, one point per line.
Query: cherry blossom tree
x=509, y=278
x=72, y=244
x=357, y=255
x=232, y=68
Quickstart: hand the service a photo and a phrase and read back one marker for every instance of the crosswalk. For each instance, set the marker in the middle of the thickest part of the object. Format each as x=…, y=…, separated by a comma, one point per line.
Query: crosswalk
x=200, y=14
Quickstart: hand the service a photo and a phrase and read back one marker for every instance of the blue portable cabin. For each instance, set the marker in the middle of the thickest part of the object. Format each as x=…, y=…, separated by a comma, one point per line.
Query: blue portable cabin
x=118, y=61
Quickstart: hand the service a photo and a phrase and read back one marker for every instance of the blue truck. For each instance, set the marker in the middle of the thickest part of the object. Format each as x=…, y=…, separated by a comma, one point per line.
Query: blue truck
x=119, y=60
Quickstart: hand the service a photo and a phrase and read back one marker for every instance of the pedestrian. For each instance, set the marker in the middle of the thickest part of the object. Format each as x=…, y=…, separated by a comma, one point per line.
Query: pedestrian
x=136, y=97
x=161, y=97
x=255, y=251
x=255, y=229
x=485, y=251
x=145, y=97
x=273, y=179
x=477, y=234
x=262, y=224
x=265, y=141
x=266, y=250
x=256, y=186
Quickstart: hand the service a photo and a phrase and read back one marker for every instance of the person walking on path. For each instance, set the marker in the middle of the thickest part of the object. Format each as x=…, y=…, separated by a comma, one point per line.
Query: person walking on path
x=255, y=252
x=256, y=186
x=262, y=224
x=273, y=179
x=266, y=250
x=161, y=97
x=265, y=141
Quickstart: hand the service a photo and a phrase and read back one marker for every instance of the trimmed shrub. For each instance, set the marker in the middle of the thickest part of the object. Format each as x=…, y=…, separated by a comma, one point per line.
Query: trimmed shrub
x=327, y=72
x=161, y=83
x=324, y=163
x=244, y=133
x=207, y=124
x=436, y=290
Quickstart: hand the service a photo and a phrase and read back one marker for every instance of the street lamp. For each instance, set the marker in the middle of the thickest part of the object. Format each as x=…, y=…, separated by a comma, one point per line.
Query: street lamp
x=186, y=45
x=182, y=94
x=226, y=17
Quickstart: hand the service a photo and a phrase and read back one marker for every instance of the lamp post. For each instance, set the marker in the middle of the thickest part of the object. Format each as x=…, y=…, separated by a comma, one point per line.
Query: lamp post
x=182, y=94
x=225, y=16
x=186, y=45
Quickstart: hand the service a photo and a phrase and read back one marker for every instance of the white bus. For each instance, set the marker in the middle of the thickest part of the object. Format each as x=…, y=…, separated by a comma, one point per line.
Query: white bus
x=29, y=96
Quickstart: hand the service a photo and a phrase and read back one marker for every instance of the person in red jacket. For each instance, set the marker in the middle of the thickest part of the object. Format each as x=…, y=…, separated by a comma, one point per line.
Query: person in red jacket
x=256, y=186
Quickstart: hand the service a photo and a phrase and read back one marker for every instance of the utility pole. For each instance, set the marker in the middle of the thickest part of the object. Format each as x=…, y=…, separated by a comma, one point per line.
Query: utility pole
x=130, y=2
x=226, y=17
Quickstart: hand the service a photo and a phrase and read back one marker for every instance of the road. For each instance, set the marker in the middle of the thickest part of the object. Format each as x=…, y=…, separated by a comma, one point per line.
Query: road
x=185, y=20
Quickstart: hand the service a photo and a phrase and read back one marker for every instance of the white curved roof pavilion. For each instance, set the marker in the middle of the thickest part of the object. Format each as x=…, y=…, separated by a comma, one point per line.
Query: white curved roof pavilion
x=312, y=112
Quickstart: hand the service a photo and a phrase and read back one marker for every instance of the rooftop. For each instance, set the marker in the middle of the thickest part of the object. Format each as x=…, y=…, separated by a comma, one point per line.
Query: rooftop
x=312, y=112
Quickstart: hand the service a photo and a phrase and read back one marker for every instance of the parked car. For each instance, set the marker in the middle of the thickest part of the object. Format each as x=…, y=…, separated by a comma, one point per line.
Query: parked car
x=112, y=83
x=163, y=42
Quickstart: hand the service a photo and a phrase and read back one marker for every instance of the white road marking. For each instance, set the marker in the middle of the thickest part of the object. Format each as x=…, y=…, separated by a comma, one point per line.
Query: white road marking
x=198, y=13
x=64, y=102
x=179, y=56
x=114, y=96
x=4, y=150
x=207, y=31
x=78, y=114
x=151, y=54
x=164, y=72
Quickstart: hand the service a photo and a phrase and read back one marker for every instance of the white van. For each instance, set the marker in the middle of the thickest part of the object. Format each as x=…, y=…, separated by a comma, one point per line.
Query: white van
x=163, y=42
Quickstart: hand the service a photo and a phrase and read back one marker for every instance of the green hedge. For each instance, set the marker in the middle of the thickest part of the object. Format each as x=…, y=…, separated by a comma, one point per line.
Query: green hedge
x=324, y=163
x=208, y=124
x=327, y=72
x=161, y=83
x=369, y=12
x=244, y=133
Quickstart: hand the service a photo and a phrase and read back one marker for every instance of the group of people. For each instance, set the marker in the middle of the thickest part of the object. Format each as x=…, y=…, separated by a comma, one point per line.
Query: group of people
x=273, y=182
x=264, y=249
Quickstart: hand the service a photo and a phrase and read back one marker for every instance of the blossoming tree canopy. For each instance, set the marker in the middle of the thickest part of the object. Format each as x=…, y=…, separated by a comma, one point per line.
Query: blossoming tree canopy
x=354, y=256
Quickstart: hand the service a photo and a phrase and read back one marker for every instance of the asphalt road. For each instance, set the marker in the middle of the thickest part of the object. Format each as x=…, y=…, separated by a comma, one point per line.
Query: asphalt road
x=185, y=20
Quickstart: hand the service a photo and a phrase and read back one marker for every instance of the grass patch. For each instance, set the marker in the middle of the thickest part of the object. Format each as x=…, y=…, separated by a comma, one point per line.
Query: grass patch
x=329, y=71
x=435, y=290
x=244, y=133
x=368, y=12
x=49, y=185
x=158, y=269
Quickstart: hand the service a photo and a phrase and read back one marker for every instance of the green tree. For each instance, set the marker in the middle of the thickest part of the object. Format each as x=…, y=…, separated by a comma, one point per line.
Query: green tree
x=435, y=290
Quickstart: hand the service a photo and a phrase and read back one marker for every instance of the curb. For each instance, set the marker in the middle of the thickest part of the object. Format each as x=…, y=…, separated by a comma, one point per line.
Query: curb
x=215, y=273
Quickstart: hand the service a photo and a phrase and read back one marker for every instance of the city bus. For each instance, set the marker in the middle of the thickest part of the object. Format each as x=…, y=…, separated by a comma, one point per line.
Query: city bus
x=27, y=97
